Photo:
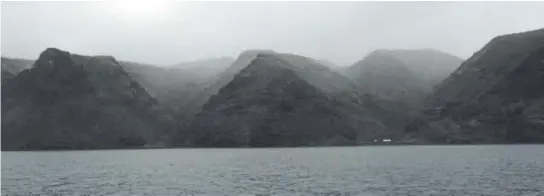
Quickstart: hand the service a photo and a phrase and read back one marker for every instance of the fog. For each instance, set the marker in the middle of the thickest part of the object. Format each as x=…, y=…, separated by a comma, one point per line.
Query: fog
x=342, y=32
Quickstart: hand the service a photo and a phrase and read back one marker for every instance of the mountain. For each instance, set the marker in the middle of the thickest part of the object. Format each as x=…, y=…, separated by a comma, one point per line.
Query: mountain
x=316, y=73
x=496, y=95
x=407, y=75
x=12, y=66
x=171, y=88
x=382, y=74
x=401, y=79
x=195, y=104
x=70, y=101
x=275, y=99
x=175, y=86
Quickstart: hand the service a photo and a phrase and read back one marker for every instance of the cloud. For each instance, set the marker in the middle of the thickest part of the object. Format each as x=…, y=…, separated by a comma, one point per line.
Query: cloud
x=342, y=32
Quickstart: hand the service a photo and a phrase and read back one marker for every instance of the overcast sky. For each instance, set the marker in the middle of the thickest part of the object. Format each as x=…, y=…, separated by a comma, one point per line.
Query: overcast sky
x=342, y=32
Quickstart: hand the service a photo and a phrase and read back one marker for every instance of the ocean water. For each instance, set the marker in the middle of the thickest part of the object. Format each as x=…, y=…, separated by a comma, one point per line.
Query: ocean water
x=504, y=170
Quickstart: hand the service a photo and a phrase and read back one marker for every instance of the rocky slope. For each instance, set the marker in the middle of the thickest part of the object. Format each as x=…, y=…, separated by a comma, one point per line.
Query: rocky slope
x=495, y=96
x=69, y=101
x=312, y=71
x=195, y=104
x=281, y=100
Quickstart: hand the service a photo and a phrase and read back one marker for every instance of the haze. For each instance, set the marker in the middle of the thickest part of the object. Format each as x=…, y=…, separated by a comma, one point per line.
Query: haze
x=341, y=32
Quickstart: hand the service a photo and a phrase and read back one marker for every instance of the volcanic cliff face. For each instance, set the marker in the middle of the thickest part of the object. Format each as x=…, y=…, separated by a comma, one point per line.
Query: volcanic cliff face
x=495, y=96
x=280, y=100
x=69, y=101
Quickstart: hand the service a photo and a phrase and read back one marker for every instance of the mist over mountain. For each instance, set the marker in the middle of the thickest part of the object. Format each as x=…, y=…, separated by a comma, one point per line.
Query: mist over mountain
x=265, y=98
x=162, y=97
x=175, y=86
x=280, y=100
x=69, y=101
x=401, y=79
x=495, y=96
x=12, y=66
x=407, y=75
x=432, y=65
x=205, y=68
x=195, y=104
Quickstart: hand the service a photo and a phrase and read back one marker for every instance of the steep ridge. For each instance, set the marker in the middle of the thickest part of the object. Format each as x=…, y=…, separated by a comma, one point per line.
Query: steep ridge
x=195, y=104
x=271, y=103
x=495, y=96
x=344, y=90
x=69, y=101
x=318, y=74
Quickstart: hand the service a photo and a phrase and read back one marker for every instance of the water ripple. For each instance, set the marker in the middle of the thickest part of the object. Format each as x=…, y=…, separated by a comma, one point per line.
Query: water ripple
x=365, y=171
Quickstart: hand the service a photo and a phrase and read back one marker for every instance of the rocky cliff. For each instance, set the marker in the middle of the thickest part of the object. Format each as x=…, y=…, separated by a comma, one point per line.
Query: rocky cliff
x=495, y=96
x=275, y=99
x=69, y=101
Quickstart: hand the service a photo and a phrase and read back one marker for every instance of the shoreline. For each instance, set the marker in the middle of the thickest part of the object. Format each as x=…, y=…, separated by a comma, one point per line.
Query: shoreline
x=272, y=147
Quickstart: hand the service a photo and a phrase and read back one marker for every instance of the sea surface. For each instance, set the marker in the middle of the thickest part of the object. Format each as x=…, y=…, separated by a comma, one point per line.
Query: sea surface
x=498, y=170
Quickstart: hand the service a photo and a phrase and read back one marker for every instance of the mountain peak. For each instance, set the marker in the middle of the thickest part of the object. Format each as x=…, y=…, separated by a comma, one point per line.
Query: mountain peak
x=493, y=96
x=53, y=57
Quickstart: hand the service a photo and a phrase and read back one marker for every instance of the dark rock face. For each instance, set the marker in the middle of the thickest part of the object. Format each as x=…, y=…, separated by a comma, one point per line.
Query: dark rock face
x=495, y=96
x=68, y=101
x=280, y=100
